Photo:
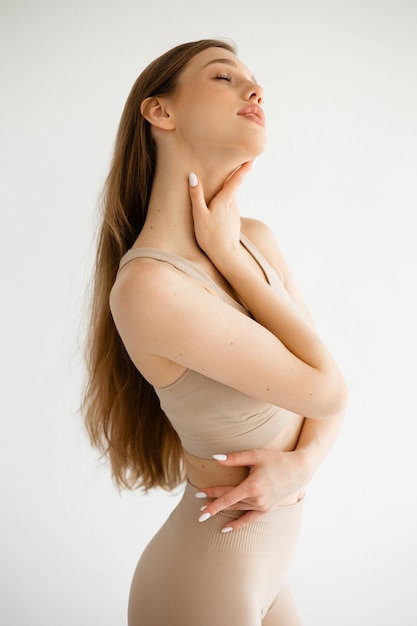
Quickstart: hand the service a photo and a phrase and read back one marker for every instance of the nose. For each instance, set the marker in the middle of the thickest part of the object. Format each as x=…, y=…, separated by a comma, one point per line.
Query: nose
x=255, y=92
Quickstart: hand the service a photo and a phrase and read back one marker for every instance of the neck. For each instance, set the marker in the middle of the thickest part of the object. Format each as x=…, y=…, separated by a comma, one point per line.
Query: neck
x=169, y=223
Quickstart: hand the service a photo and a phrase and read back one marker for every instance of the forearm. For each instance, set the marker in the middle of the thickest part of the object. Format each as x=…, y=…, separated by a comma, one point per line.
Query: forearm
x=316, y=439
x=276, y=311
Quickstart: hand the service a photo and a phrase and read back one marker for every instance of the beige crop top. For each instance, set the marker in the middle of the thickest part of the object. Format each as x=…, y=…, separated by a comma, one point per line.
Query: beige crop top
x=210, y=417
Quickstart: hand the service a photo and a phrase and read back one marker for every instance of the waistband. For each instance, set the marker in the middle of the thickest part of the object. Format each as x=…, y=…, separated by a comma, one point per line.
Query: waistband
x=274, y=532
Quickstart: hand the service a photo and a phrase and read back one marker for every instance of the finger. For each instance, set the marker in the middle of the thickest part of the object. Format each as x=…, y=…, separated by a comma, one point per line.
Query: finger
x=246, y=458
x=245, y=505
x=236, y=178
x=226, y=501
x=218, y=492
x=242, y=506
x=241, y=522
x=232, y=184
x=214, y=492
x=196, y=192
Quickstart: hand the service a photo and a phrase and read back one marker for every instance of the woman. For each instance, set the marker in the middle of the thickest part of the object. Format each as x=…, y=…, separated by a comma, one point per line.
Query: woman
x=206, y=350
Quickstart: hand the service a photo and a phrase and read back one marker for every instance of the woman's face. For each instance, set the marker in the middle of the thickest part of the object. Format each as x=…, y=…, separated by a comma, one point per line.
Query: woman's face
x=217, y=106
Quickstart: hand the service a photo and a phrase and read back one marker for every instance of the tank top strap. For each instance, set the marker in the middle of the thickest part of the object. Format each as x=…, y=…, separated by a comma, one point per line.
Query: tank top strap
x=192, y=270
x=181, y=264
x=270, y=273
x=159, y=255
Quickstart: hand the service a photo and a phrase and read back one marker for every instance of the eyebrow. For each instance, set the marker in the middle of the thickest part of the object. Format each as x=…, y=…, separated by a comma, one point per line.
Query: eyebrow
x=227, y=62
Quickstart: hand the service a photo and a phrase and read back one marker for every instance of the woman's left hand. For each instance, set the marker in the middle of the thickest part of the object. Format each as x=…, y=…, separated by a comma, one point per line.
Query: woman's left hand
x=273, y=476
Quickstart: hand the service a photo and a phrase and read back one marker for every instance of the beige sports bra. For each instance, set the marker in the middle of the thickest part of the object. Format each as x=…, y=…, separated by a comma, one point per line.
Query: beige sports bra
x=210, y=417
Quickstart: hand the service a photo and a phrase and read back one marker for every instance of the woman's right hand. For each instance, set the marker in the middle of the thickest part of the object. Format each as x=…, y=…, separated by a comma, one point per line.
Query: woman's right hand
x=217, y=226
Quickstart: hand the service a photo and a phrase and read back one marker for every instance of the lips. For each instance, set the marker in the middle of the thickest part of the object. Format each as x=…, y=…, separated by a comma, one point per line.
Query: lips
x=254, y=112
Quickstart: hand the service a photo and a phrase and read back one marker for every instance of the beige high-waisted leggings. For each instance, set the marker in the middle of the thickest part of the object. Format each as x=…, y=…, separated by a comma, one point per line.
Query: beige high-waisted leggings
x=191, y=574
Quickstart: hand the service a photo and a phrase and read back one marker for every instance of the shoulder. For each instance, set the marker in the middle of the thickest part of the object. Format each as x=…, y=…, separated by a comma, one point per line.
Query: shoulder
x=260, y=234
x=262, y=237
x=138, y=277
x=154, y=307
x=144, y=286
x=256, y=228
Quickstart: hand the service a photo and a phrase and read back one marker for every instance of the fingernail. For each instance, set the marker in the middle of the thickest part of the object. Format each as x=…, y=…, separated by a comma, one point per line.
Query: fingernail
x=200, y=494
x=193, y=180
x=254, y=162
x=228, y=529
x=220, y=457
x=204, y=517
x=203, y=508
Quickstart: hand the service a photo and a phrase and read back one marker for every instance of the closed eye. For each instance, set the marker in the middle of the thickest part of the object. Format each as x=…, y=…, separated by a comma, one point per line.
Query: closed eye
x=224, y=77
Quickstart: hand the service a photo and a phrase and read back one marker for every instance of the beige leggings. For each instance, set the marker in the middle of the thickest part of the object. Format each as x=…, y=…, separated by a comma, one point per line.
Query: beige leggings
x=191, y=574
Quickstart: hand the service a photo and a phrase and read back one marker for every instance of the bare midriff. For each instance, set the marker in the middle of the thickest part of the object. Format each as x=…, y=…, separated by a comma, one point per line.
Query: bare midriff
x=205, y=473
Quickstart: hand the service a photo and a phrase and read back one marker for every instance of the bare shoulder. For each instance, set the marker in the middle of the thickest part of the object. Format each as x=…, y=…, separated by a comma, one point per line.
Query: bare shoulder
x=151, y=303
x=136, y=279
x=144, y=284
x=255, y=228
x=262, y=237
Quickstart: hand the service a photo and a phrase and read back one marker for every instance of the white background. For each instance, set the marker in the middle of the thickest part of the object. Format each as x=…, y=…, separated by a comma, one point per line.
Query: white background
x=338, y=186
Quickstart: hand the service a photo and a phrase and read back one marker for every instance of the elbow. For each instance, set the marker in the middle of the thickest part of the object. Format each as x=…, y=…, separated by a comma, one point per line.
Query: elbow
x=335, y=398
x=331, y=399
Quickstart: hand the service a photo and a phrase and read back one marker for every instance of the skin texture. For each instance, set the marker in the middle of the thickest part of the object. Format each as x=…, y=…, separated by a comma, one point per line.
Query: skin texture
x=170, y=322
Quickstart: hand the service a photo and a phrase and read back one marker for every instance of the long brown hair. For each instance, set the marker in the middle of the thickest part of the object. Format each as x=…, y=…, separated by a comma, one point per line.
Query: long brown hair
x=121, y=410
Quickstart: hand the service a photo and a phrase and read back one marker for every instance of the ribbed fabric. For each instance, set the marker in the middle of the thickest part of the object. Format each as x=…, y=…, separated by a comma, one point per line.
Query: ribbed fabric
x=270, y=535
x=192, y=574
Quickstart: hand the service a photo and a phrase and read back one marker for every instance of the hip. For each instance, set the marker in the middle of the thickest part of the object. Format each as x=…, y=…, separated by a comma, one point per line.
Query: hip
x=274, y=532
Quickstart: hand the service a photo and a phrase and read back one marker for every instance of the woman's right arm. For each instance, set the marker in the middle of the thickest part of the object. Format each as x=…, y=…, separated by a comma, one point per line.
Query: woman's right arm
x=217, y=228
x=277, y=312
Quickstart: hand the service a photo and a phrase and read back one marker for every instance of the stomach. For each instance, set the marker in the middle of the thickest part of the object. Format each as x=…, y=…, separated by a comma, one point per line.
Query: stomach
x=204, y=473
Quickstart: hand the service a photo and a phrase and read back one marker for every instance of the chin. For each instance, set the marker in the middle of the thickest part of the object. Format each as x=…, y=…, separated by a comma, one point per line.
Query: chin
x=255, y=149
x=251, y=155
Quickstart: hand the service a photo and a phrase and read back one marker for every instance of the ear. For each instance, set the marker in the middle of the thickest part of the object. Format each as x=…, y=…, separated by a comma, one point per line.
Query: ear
x=156, y=111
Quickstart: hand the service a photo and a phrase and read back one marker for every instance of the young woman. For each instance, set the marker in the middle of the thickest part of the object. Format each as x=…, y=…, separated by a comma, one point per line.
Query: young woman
x=204, y=366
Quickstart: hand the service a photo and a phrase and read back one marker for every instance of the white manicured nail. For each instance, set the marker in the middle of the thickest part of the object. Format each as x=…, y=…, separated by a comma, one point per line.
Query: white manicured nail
x=200, y=494
x=193, y=180
x=204, y=517
x=220, y=457
x=228, y=529
x=203, y=508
